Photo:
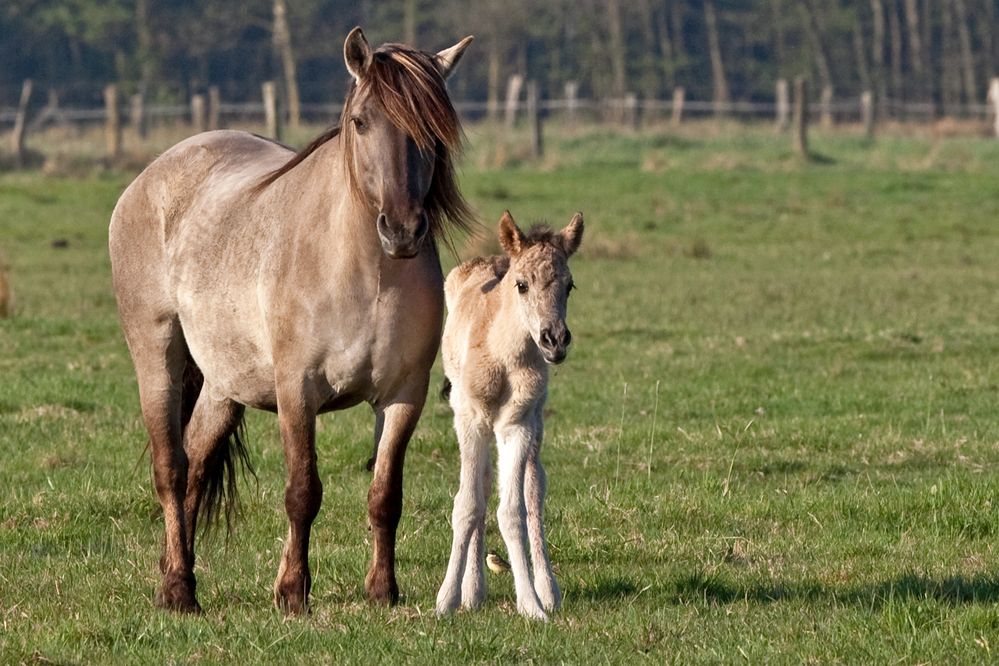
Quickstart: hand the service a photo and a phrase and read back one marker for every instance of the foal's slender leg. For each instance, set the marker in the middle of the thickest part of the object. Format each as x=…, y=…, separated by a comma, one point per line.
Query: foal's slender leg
x=473, y=583
x=469, y=512
x=535, y=487
x=385, y=494
x=514, y=447
x=212, y=422
x=160, y=357
x=303, y=494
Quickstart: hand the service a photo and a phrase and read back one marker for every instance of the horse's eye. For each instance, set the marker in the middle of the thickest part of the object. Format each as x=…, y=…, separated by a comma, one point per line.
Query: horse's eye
x=358, y=124
x=521, y=286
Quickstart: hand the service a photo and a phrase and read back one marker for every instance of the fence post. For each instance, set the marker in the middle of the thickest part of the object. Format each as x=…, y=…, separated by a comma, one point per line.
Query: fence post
x=571, y=102
x=867, y=113
x=198, y=113
x=513, y=86
x=801, y=116
x=113, y=126
x=783, y=105
x=630, y=116
x=17, y=138
x=679, y=95
x=137, y=114
x=270, y=110
x=994, y=100
x=826, y=106
x=534, y=114
x=214, y=107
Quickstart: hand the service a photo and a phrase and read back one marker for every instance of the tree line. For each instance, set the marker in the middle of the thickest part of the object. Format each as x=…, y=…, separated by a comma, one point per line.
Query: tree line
x=938, y=52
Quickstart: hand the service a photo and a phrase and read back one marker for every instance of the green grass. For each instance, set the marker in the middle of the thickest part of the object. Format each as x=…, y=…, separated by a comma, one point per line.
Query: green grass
x=775, y=438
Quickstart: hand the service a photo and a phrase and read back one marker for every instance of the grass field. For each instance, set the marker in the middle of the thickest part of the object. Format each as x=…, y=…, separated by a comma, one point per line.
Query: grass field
x=775, y=438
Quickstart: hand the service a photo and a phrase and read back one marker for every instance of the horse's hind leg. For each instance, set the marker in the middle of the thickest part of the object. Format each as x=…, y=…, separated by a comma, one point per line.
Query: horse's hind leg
x=206, y=437
x=160, y=355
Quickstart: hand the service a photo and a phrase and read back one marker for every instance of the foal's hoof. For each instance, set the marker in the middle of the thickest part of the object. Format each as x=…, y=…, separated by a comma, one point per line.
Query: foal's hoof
x=177, y=595
x=381, y=589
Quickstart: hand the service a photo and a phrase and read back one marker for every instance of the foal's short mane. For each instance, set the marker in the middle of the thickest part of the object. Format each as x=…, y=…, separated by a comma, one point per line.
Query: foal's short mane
x=412, y=91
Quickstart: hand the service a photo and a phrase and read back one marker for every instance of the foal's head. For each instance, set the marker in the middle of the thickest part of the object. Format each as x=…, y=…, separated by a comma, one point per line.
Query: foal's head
x=539, y=274
x=400, y=131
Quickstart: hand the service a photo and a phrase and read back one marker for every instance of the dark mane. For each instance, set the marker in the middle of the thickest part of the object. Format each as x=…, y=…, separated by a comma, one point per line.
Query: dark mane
x=412, y=91
x=542, y=233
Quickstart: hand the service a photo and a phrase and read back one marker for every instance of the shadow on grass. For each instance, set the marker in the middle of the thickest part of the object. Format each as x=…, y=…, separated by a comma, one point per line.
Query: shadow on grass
x=953, y=590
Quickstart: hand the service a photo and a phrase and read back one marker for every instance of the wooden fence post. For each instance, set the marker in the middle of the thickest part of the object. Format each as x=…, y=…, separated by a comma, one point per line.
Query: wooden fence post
x=137, y=114
x=214, y=107
x=513, y=86
x=801, y=116
x=113, y=126
x=630, y=115
x=679, y=95
x=867, y=113
x=271, y=111
x=826, y=106
x=783, y=105
x=17, y=137
x=571, y=102
x=534, y=114
x=198, y=113
x=994, y=100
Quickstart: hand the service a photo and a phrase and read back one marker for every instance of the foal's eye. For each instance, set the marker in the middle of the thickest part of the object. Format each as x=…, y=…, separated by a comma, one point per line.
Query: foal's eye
x=521, y=286
x=358, y=124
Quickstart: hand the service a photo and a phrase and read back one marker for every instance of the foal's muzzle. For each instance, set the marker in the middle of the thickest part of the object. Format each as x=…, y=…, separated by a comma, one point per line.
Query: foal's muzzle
x=400, y=241
x=554, y=343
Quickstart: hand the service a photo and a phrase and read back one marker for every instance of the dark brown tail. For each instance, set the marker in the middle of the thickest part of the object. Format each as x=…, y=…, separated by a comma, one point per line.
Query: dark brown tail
x=446, y=389
x=220, y=497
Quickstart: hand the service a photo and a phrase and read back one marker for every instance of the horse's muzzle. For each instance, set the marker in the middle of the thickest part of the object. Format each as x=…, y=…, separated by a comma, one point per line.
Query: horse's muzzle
x=399, y=241
x=554, y=343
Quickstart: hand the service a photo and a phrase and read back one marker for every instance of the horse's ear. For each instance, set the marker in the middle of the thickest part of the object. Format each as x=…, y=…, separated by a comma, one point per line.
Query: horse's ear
x=572, y=235
x=447, y=60
x=357, y=54
x=511, y=238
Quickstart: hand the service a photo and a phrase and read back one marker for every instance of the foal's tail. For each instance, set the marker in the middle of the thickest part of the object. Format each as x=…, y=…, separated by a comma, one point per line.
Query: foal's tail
x=220, y=497
x=446, y=389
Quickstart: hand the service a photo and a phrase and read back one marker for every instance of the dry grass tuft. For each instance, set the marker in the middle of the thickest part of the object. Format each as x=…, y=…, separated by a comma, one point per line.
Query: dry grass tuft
x=6, y=290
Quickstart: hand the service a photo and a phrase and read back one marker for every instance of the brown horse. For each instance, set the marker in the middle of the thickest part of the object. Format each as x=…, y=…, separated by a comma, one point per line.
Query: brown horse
x=296, y=283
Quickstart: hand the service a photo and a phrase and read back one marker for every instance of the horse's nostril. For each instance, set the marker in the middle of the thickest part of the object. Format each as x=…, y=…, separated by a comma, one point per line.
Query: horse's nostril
x=382, y=226
x=546, y=338
x=566, y=338
x=424, y=227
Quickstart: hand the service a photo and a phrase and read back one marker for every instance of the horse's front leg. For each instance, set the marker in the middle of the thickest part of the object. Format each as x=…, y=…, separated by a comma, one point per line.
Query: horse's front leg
x=514, y=444
x=535, y=487
x=464, y=582
x=385, y=494
x=303, y=494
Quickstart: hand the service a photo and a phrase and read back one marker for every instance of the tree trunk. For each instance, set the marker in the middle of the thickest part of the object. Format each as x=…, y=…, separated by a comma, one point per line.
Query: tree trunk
x=915, y=40
x=676, y=23
x=895, y=32
x=282, y=44
x=144, y=41
x=714, y=47
x=616, y=48
x=860, y=53
x=409, y=23
x=967, y=58
x=666, y=48
x=780, y=47
x=815, y=32
x=493, y=83
x=650, y=68
x=878, y=53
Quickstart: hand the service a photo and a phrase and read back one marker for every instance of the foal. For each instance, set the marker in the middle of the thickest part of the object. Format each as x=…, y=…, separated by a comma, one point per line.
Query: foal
x=506, y=322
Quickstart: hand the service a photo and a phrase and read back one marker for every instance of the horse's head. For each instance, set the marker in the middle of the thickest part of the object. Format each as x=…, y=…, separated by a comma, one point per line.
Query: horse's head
x=400, y=130
x=539, y=274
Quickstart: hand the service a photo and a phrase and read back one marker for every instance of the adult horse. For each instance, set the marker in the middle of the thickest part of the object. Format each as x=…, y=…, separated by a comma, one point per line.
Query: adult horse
x=296, y=283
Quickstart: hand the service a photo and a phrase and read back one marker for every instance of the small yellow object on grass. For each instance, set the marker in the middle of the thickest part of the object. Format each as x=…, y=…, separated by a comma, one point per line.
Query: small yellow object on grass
x=496, y=563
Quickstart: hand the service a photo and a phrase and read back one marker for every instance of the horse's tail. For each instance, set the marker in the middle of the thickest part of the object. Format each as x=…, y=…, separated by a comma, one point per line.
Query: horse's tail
x=446, y=389
x=220, y=497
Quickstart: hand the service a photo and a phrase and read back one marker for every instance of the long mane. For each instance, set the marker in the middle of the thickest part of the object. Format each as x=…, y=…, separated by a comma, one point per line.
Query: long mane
x=412, y=91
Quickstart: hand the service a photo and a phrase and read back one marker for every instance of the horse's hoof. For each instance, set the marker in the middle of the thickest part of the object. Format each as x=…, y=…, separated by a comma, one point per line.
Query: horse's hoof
x=533, y=613
x=290, y=599
x=382, y=590
x=177, y=595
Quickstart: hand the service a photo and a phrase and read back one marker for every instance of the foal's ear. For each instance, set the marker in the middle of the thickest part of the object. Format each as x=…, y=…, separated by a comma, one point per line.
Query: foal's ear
x=510, y=236
x=572, y=235
x=357, y=54
x=447, y=60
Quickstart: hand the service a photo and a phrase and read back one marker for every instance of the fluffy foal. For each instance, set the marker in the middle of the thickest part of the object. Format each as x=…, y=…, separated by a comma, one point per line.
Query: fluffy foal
x=506, y=323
